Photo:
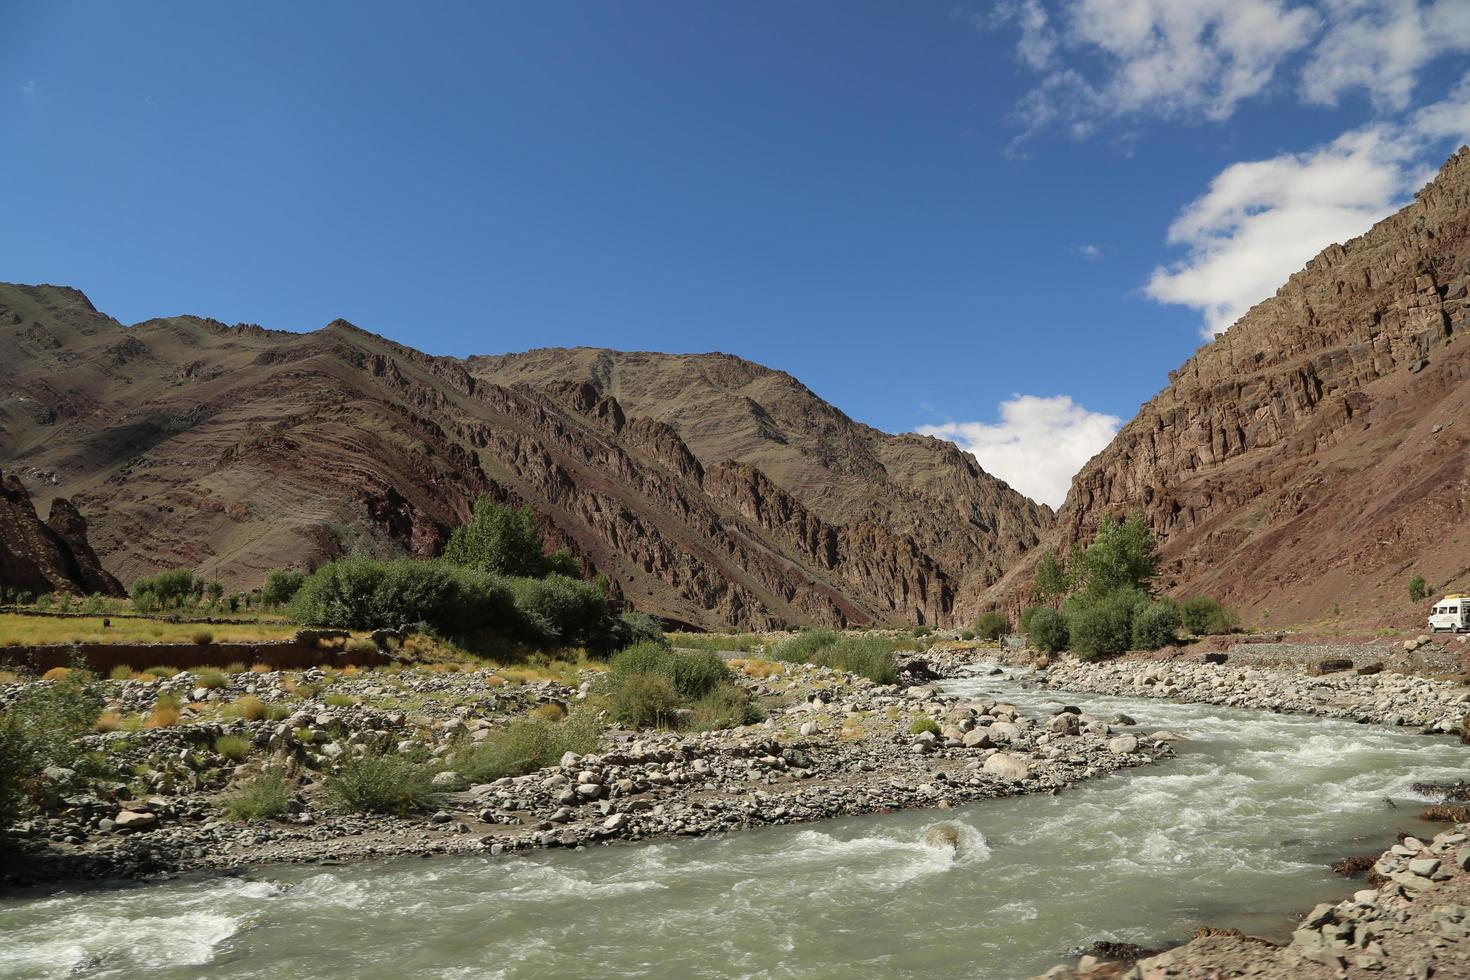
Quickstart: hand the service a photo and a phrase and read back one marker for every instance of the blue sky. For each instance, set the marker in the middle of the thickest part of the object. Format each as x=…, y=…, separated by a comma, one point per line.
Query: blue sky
x=1005, y=222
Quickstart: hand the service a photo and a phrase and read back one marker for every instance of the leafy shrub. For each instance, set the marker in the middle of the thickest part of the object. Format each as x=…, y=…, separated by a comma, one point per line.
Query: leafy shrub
x=1155, y=625
x=561, y=611
x=500, y=540
x=1122, y=557
x=868, y=656
x=382, y=783
x=265, y=797
x=232, y=747
x=1047, y=629
x=1418, y=589
x=526, y=745
x=1102, y=627
x=924, y=725
x=1204, y=616
x=41, y=728
x=281, y=587
x=967, y=635
x=203, y=637
x=992, y=625
x=644, y=701
x=166, y=590
x=921, y=631
x=633, y=628
x=364, y=593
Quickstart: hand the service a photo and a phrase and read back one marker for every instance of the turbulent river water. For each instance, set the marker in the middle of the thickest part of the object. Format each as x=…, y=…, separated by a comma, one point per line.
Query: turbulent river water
x=1236, y=831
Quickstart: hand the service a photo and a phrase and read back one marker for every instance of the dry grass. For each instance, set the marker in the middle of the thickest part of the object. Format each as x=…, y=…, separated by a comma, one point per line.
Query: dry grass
x=260, y=668
x=9, y=677
x=108, y=721
x=757, y=668
x=549, y=712
x=165, y=714
x=247, y=708
x=56, y=673
x=20, y=629
x=495, y=680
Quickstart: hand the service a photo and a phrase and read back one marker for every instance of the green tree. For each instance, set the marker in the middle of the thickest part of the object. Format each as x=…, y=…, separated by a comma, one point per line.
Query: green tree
x=1051, y=580
x=166, y=590
x=1122, y=556
x=281, y=586
x=216, y=592
x=1204, y=616
x=1103, y=626
x=1047, y=629
x=1418, y=589
x=992, y=625
x=1155, y=625
x=500, y=540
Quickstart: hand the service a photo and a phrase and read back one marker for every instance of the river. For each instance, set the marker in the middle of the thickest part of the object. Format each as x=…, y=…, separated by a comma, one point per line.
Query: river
x=1236, y=831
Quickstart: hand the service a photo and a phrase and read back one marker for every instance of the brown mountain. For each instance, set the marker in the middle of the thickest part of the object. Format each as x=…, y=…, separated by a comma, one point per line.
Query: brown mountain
x=1308, y=462
x=708, y=489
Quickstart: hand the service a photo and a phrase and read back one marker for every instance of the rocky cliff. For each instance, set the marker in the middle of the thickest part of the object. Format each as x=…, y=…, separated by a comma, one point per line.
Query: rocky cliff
x=54, y=556
x=708, y=489
x=1309, y=461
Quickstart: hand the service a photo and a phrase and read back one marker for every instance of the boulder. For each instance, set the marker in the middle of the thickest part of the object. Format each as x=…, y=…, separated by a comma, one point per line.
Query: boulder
x=1007, y=766
x=1123, y=745
x=134, y=820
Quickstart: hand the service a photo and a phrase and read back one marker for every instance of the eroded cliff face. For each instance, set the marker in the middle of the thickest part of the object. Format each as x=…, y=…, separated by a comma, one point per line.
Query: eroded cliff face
x=235, y=450
x=54, y=556
x=1313, y=456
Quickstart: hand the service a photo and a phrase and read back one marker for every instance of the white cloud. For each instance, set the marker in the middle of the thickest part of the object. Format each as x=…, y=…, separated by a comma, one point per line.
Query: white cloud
x=1381, y=46
x=1200, y=59
x=1090, y=251
x=1261, y=220
x=1039, y=444
x=28, y=89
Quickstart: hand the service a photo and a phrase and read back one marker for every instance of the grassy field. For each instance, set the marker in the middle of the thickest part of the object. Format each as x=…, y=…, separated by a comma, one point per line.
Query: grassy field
x=18, y=629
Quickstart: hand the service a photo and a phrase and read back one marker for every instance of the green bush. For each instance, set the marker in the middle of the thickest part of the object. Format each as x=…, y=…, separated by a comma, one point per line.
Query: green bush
x=265, y=797
x=1047, y=629
x=526, y=745
x=633, y=628
x=1418, y=589
x=500, y=540
x=557, y=610
x=166, y=590
x=281, y=587
x=1122, y=557
x=1155, y=625
x=870, y=656
x=43, y=727
x=1102, y=627
x=992, y=625
x=1204, y=616
x=232, y=747
x=364, y=593
x=693, y=674
x=383, y=783
x=644, y=701
x=924, y=725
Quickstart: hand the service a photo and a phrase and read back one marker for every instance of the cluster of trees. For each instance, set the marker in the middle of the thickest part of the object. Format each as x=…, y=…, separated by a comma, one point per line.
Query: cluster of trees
x=494, y=577
x=1100, y=601
x=180, y=588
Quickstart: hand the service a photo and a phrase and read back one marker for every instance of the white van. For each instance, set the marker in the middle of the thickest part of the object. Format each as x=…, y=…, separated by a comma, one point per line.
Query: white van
x=1451, y=613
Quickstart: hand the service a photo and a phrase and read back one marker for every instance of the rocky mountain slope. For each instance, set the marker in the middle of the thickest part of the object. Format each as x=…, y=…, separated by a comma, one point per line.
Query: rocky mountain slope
x=52, y=556
x=708, y=489
x=1309, y=461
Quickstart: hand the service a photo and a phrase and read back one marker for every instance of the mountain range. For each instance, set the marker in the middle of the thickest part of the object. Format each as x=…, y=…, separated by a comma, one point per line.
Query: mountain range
x=1301, y=467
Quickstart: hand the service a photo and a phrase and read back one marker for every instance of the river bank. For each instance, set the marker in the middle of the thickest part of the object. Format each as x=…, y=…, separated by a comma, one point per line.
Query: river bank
x=832, y=744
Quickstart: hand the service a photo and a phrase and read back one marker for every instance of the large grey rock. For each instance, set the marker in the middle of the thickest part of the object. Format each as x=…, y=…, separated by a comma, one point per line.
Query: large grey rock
x=1123, y=745
x=134, y=820
x=1007, y=766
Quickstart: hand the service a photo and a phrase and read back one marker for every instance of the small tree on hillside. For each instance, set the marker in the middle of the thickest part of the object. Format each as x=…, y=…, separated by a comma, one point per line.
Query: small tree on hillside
x=1051, y=580
x=1122, y=556
x=1418, y=589
x=501, y=540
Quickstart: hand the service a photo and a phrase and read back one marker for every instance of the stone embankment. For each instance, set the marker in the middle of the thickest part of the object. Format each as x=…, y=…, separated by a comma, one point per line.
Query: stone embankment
x=1413, y=921
x=832, y=744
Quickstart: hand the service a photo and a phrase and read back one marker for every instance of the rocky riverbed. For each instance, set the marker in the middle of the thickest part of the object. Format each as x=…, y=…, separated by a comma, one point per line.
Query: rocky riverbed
x=832, y=744
x=1412, y=921
x=1381, y=697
